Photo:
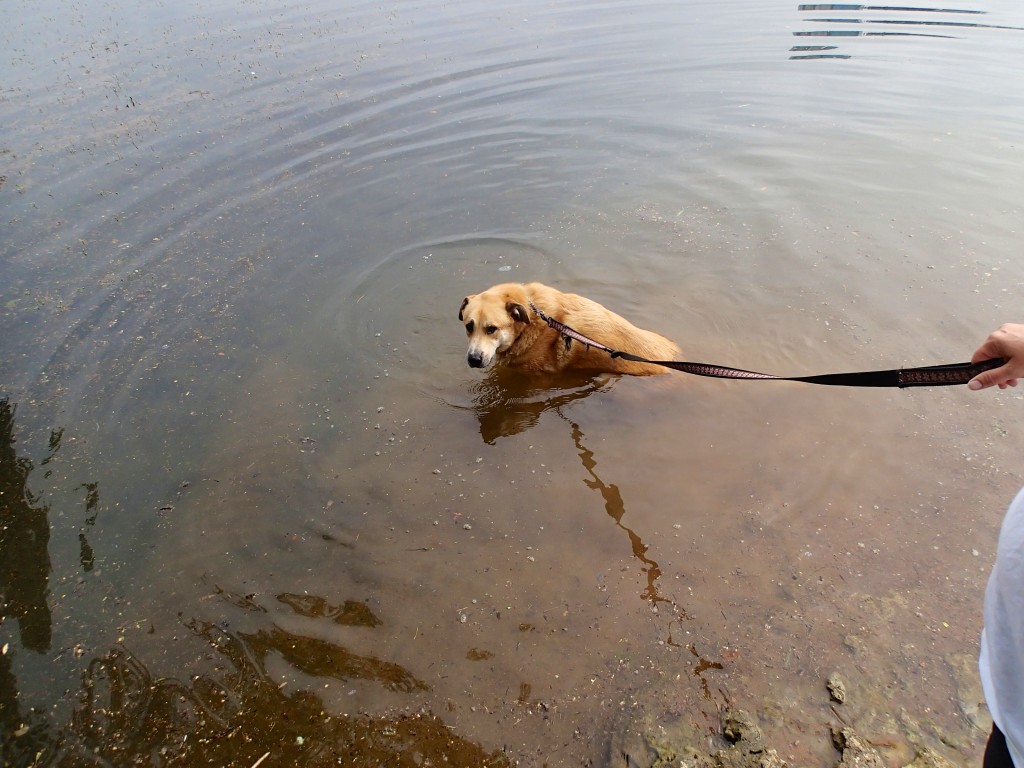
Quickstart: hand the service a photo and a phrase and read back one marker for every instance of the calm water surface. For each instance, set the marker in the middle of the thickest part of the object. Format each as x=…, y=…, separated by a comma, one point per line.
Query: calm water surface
x=255, y=504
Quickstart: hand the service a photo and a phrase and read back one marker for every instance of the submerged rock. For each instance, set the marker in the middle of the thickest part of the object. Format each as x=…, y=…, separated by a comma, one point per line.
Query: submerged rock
x=836, y=688
x=970, y=696
x=642, y=742
x=682, y=745
x=748, y=749
x=856, y=753
x=927, y=758
x=655, y=738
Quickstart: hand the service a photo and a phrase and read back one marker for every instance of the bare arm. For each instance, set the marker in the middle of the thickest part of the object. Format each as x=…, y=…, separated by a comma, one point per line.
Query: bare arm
x=1006, y=342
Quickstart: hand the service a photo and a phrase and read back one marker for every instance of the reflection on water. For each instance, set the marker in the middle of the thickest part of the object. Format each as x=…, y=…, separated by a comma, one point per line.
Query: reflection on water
x=194, y=191
x=24, y=569
x=125, y=715
x=850, y=7
x=92, y=500
x=917, y=22
x=508, y=403
x=24, y=536
x=817, y=55
x=616, y=509
x=351, y=613
x=320, y=658
x=817, y=52
x=235, y=717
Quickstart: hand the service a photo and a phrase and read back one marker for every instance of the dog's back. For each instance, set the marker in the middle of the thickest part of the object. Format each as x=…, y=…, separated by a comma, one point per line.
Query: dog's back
x=606, y=327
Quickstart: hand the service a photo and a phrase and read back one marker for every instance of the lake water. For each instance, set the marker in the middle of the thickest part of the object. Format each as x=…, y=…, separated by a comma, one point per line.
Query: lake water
x=256, y=505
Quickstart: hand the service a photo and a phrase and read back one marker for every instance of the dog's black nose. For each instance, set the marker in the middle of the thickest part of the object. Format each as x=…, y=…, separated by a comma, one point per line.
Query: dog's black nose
x=475, y=360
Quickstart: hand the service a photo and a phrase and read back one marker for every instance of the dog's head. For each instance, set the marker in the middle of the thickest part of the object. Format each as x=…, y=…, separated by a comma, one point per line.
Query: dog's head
x=493, y=319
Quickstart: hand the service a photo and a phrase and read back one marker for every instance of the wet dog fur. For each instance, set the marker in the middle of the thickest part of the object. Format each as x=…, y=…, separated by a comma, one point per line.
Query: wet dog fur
x=504, y=330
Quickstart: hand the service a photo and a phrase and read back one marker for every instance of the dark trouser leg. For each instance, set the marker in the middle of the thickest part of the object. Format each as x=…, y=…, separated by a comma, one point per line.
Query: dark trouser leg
x=997, y=755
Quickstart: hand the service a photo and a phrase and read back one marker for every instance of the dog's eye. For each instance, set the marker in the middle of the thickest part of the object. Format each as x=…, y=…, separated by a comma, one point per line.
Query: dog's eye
x=490, y=330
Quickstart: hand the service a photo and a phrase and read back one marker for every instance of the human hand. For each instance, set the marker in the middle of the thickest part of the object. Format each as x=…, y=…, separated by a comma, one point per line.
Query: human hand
x=1008, y=343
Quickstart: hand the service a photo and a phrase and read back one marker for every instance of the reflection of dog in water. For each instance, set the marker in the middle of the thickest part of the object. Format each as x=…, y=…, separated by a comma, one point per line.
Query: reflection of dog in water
x=503, y=329
x=507, y=402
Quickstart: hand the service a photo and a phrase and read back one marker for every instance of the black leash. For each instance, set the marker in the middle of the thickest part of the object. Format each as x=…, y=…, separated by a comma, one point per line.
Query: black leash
x=928, y=376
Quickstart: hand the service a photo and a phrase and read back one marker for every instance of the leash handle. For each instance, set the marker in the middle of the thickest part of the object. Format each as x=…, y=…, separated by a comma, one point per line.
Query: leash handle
x=944, y=375
x=926, y=376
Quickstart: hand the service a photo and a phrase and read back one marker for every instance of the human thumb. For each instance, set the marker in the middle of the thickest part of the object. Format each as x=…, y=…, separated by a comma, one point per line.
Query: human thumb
x=986, y=379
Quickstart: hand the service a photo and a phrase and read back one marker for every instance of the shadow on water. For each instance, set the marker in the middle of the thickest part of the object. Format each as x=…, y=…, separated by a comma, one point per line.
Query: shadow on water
x=926, y=23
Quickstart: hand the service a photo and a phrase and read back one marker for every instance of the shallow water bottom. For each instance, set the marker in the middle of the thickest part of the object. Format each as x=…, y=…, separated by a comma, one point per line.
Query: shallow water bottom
x=544, y=571
x=339, y=543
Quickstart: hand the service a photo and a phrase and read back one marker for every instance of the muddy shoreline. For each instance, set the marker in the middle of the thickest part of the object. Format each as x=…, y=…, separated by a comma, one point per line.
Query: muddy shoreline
x=655, y=736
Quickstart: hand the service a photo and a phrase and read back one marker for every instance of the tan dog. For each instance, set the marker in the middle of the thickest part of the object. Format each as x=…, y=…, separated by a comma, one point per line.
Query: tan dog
x=503, y=329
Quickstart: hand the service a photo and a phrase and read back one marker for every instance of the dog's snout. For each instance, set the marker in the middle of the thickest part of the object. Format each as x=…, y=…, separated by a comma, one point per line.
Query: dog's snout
x=475, y=360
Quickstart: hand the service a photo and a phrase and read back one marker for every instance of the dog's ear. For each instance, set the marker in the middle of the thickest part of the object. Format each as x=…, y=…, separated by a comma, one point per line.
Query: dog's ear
x=465, y=301
x=518, y=312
